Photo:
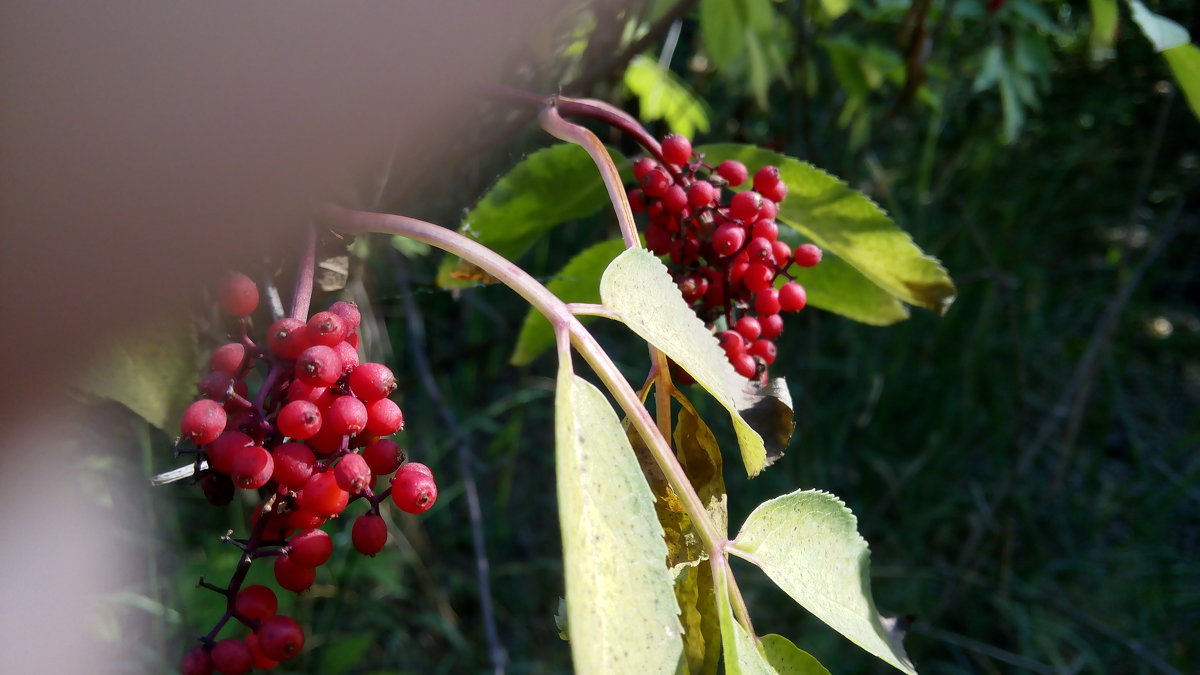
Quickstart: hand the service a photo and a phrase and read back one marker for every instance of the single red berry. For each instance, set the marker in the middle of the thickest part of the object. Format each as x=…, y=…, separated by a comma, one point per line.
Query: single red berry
x=766, y=301
x=352, y=339
x=413, y=488
x=318, y=366
x=293, y=464
x=782, y=253
x=656, y=182
x=658, y=239
x=322, y=496
x=256, y=603
x=224, y=448
x=238, y=295
x=768, y=210
x=748, y=327
x=675, y=199
x=298, y=391
x=326, y=441
x=384, y=417
x=261, y=661
x=744, y=365
x=197, y=662
x=744, y=206
x=642, y=166
x=637, y=200
x=792, y=297
x=293, y=576
x=203, y=421
x=348, y=355
x=217, y=487
x=758, y=276
x=764, y=349
x=345, y=416
x=776, y=193
x=228, y=358
x=280, y=638
x=369, y=534
x=728, y=239
x=352, y=473
x=372, y=381
x=733, y=171
x=765, y=229
x=216, y=386
x=676, y=149
x=311, y=548
x=766, y=177
x=303, y=520
x=760, y=249
x=772, y=326
x=701, y=194
x=252, y=467
x=351, y=317
x=732, y=342
x=288, y=337
x=384, y=456
x=299, y=420
x=232, y=656
x=807, y=255
x=326, y=328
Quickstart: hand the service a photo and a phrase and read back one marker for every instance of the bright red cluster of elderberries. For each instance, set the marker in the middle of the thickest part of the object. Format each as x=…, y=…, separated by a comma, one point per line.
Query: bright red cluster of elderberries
x=313, y=439
x=724, y=253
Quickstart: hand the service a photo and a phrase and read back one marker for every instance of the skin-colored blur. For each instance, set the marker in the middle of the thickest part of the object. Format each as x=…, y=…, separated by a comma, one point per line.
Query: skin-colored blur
x=147, y=147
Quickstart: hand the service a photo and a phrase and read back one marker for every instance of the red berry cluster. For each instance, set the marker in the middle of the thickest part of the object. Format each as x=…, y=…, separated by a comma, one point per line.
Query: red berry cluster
x=313, y=439
x=725, y=254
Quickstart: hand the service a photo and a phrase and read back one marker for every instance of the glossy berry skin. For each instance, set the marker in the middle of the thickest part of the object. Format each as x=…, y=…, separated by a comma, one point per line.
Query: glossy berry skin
x=345, y=416
x=232, y=656
x=384, y=417
x=656, y=182
x=256, y=603
x=734, y=172
x=728, y=239
x=292, y=576
x=731, y=342
x=287, y=338
x=280, y=638
x=675, y=199
x=326, y=328
x=766, y=178
x=311, y=548
x=372, y=381
x=676, y=149
x=748, y=327
x=383, y=456
x=318, y=366
x=792, y=297
x=758, y=277
x=771, y=325
x=293, y=465
x=413, y=488
x=744, y=365
x=203, y=421
x=238, y=295
x=224, y=449
x=369, y=534
x=348, y=355
x=764, y=349
x=352, y=473
x=807, y=255
x=701, y=194
x=642, y=166
x=299, y=420
x=775, y=193
x=322, y=495
x=197, y=662
x=767, y=301
x=252, y=467
x=744, y=206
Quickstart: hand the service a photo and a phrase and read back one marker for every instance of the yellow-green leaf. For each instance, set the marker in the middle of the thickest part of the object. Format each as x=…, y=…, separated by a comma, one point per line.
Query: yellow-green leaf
x=639, y=288
x=1104, y=29
x=1185, y=64
x=701, y=625
x=835, y=286
x=846, y=222
x=663, y=95
x=578, y=281
x=742, y=656
x=621, y=605
x=150, y=369
x=788, y=659
x=807, y=542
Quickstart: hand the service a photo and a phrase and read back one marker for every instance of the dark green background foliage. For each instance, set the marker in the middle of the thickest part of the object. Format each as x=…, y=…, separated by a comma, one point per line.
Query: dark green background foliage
x=1025, y=468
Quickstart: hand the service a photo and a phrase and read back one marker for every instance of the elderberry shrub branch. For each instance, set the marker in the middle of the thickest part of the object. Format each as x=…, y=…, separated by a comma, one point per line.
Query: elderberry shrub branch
x=314, y=439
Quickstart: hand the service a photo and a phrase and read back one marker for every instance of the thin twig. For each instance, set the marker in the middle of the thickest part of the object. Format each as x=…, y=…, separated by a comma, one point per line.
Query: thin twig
x=416, y=340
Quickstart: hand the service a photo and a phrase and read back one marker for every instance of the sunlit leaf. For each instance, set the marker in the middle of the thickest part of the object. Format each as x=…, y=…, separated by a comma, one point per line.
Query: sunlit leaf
x=846, y=222
x=742, y=656
x=150, y=369
x=832, y=9
x=549, y=187
x=701, y=624
x=807, y=542
x=1162, y=32
x=638, y=287
x=1104, y=29
x=621, y=605
x=700, y=456
x=663, y=95
x=788, y=659
x=577, y=281
x=1185, y=65
x=835, y=286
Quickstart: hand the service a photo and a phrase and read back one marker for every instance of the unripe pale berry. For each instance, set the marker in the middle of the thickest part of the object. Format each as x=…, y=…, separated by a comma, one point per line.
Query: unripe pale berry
x=238, y=295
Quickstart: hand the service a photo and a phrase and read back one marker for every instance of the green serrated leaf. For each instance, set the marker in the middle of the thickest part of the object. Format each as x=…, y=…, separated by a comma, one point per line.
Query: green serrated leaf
x=835, y=286
x=1185, y=65
x=663, y=95
x=549, y=187
x=620, y=598
x=577, y=281
x=1104, y=29
x=639, y=288
x=742, y=656
x=807, y=542
x=151, y=370
x=788, y=659
x=847, y=223
x=1162, y=32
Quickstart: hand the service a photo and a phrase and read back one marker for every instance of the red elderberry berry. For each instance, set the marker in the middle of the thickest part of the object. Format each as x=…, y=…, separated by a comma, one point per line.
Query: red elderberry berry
x=772, y=326
x=748, y=327
x=413, y=488
x=345, y=416
x=322, y=495
x=744, y=365
x=203, y=421
x=384, y=417
x=775, y=193
x=766, y=177
x=768, y=210
x=293, y=576
x=348, y=355
x=764, y=349
x=256, y=603
x=792, y=297
x=228, y=358
x=734, y=172
x=744, y=206
x=288, y=337
x=728, y=239
x=326, y=328
x=760, y=249
x=261, y=661
x=676, y=149
x=352, y=473
x=675, y=200
x=766, y=229
x=351, y=317
x=732, y=342
x=303, y=520
x=293, y=465
x=766, y=301
x=238, y=295
x=252, y=467
x=383, y=456
x=758, y=276
x=372, y=381
x=318, y=366
x=807, y=255
x=655, y=182
x=311, y=548
x=280, y=638
x=222, y=451
x=701, y=194
x=232, y=656
x=197, y=662
x=642, y=166
x=299, y=420
x=369, y=534
x=782, y=253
